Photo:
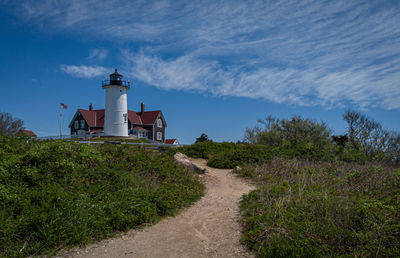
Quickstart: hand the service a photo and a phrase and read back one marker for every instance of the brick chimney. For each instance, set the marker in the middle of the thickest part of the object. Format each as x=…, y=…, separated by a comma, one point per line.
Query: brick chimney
x=90, y=107
x=142, y=108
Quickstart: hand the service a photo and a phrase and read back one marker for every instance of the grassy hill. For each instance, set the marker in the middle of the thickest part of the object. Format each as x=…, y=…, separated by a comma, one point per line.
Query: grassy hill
x=312, y=209
x=317, y=194
x=313, y=202
x=55, y=194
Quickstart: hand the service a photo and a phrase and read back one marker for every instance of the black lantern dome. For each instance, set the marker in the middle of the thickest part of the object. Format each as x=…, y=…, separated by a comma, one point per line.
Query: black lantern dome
x=116, y=80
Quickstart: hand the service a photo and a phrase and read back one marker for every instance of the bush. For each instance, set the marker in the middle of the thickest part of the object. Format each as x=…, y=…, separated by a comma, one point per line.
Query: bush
x=309, y=209
x=203, y=138
x=289, y=133
x=229, y=155
x=206, y=150
x=241, y=154
x=55, y=194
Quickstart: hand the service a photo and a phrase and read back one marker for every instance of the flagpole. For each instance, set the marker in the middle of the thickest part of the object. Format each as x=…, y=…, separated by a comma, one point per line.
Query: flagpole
x=60, y=123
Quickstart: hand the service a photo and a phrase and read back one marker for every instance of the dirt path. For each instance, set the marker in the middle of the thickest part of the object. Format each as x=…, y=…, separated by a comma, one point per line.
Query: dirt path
x=209, y=228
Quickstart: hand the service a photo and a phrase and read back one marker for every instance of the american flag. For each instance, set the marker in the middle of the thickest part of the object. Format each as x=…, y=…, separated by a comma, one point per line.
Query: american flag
x=62, y=105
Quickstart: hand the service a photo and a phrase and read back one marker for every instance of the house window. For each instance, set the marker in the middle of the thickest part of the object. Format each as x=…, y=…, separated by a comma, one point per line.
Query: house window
x=142, y=134
x=159, y=136
x=82, y=124
x=159, y=123
x=76, y=124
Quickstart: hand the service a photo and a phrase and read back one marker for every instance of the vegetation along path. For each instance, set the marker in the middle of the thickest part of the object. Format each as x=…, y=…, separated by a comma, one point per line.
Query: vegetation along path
x=209, y=228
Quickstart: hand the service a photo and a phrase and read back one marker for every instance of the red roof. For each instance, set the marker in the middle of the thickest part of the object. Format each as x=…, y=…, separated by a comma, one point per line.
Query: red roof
x=95, y=118
x=149, y=117
x=139, y=128
x=134, y=117
x=170, y=141
x=28, y=132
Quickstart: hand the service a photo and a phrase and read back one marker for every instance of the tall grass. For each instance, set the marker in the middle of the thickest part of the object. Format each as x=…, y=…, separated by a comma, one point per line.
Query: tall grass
x=309, y=209
x=229, y=155
x=55, y=194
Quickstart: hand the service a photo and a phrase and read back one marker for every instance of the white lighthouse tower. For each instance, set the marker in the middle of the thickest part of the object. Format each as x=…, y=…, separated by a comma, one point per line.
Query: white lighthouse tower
x=116, y=113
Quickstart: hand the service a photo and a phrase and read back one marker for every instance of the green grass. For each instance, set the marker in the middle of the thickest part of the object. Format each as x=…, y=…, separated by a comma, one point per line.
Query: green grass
x=229, y=155
x=312, y=202
x=313, y=209
x=226, y=154
x=55, y=194
x=206, y=150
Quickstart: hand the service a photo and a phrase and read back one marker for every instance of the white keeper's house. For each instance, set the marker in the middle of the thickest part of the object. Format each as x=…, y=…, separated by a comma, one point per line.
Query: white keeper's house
x=116, y=120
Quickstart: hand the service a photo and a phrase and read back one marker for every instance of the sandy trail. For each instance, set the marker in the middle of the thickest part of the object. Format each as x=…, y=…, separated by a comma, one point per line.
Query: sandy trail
x=209, y=228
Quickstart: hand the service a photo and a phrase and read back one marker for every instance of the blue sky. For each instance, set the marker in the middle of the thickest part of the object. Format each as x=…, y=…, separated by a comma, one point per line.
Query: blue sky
x=211, y=66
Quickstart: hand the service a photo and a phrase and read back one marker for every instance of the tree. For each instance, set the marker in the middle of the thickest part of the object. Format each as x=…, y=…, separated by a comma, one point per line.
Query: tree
x=203, y=138
x=393, y=149
x=370, y=137
x=366, y=134
x=351, y=117
x=293, y=132
x=10, y=125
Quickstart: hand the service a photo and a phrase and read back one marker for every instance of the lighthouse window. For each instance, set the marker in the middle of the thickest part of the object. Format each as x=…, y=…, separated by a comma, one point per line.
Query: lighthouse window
x=125, y=118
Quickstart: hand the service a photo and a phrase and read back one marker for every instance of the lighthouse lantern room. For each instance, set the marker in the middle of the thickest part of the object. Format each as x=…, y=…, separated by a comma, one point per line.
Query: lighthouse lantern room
x=116, y=111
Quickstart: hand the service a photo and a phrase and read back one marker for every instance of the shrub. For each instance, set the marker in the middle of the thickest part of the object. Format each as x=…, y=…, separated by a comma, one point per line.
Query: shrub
x=203, y=138
x=241, y=154
x=55, y=194
x=206, y=150
x=294, y=132
x=230, y=155
x=309, y=209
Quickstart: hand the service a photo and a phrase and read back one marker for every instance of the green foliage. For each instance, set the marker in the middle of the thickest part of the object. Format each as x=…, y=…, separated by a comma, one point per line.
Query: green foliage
x=370, y=137
x=311, y=209
x=230, y=155
x=203, y=138
x=366, y=139
x=206, y=150
x=289, y=133
x=227, y=154
x=340, y=140
x=241, y=154
x=55, y=194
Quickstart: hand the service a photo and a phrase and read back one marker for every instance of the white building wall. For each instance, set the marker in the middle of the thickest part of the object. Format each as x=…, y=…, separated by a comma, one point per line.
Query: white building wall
x=116, y=112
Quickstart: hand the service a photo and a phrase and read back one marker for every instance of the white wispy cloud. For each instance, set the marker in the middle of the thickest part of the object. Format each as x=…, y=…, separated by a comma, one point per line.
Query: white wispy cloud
x=311, y=52
x=295, y=86
x=83, y=71
x=97, y=54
